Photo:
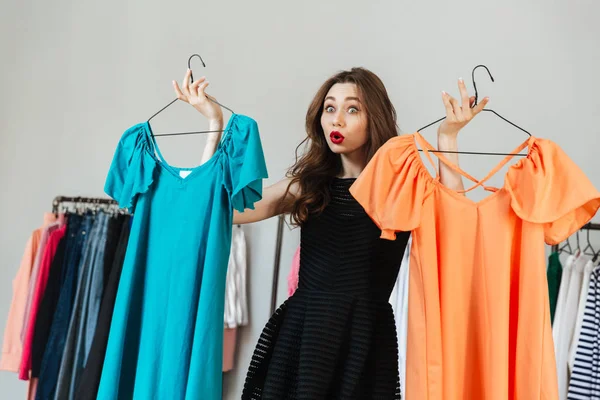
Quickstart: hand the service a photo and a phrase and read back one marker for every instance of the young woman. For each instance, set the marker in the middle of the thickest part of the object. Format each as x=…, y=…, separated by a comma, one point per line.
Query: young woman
x=335, y=337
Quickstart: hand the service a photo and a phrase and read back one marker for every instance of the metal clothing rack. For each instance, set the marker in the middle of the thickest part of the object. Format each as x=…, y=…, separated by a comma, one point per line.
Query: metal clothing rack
x=58, y=200
x=277, y=262
x=589, y=227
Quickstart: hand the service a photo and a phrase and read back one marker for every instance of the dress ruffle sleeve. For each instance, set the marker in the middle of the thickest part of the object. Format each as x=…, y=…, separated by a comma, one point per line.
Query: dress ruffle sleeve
x=132, y=170
x=393, y=186
x=245, y=167
x=548, y=188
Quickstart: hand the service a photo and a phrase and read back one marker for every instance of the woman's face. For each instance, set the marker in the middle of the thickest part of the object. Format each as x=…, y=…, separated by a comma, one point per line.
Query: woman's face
x=344, y=119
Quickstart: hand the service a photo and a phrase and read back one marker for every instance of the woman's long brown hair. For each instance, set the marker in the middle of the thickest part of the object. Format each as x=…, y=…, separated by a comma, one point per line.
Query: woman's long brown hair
x=318, y=165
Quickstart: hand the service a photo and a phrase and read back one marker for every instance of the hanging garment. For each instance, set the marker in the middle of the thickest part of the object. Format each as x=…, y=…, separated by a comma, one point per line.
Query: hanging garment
x=236, y=302
x=293, y=276
x=399, y=302
x=90, y=377
x=113, y=235
x=563, y=340
x=12, y=346
x=86, y=306
x=586, y=370
x=335, y=337
x=50, y=296
x=229, y=343
x=44, y=271
x=48, y=230
x=554, y=276
x=41, y=327
x=166, y=335
x=60, y=322
x=479, y=315
x=562, y=298
x=585, y=285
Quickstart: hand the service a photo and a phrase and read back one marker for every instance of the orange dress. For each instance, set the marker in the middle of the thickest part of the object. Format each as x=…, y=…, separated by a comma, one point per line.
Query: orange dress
x=479, y=319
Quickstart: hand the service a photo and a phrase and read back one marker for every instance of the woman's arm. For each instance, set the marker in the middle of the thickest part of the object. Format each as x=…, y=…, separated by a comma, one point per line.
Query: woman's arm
x=449, y=177
x=457, y=116
x=271, y=204
x=272, y=200
x=212, y=139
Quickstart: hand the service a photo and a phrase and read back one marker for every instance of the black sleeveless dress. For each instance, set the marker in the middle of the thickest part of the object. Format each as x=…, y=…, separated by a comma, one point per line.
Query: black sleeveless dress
x=335, y=338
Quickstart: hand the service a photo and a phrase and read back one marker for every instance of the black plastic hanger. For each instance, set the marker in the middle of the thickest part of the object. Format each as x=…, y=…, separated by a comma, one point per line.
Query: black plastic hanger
x=566, y=248
x=589, y=245
x=167, y=106
x=485, y=109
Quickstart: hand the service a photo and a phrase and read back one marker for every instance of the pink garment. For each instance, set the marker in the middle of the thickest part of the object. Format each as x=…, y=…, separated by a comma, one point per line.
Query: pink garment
x=12, y=346
x=293, y=276
x=229, y=343
x=38, y=294
x=46, y=232
x=32, y=389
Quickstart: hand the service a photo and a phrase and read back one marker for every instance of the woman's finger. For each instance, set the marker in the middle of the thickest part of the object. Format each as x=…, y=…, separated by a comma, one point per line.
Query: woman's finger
x=202, y=88
x=457, y=109
x=180, y=95
x=471, y=101
x=194, y=86
x=464, y=96
x=448, y=106
x=481, y=105
x=185, y=84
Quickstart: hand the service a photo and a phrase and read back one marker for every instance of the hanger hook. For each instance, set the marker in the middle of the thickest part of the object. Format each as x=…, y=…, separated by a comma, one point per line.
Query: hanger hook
x=589, y=244
x=190, y=65
x=475, y=85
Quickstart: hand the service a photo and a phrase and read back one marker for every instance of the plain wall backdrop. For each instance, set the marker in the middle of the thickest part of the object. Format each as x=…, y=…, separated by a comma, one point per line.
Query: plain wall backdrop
x=75, y=75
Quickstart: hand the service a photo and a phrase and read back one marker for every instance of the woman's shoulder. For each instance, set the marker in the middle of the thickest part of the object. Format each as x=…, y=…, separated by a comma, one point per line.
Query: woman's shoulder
x=283, y=190
x=400, y=141
x=289, y=186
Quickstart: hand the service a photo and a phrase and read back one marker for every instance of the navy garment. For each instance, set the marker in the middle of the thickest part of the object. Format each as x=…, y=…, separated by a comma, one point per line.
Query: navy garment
x=43, y=322
x=115, y=225
x=60, y=322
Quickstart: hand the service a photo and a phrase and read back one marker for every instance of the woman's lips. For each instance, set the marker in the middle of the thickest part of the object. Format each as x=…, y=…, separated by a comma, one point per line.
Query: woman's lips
x=336, y=137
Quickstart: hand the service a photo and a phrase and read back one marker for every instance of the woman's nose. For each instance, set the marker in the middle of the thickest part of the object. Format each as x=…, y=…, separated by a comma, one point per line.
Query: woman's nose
x=338, y=119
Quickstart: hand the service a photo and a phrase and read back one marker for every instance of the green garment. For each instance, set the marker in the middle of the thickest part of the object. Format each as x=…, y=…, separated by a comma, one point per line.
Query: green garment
x=554, y=275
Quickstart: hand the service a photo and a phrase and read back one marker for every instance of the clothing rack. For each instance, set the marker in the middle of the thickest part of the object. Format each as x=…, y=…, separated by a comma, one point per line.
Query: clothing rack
x=58, y=200
x=277, y=262
x=589, y=226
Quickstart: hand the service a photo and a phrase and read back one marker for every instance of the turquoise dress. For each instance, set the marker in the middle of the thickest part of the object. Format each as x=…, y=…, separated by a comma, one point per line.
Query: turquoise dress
x=166, y=335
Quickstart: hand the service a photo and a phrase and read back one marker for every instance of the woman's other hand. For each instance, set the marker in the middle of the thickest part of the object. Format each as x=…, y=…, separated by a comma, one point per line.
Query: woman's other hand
x=194, y=94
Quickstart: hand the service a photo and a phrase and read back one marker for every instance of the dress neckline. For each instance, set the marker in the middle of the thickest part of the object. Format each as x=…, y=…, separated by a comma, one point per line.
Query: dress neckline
x=343, y=179
x=156, y=154
x=427, y=148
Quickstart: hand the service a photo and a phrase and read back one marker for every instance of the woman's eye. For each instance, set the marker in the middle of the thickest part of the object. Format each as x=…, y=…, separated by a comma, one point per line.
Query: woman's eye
x=353, y=110
x=329, y=109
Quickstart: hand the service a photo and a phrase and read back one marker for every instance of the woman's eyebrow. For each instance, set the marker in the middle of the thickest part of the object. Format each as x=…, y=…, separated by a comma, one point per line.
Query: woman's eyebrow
x=347, y=98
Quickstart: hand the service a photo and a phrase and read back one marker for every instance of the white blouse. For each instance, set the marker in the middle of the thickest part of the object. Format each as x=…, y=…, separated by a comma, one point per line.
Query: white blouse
x=236, y=301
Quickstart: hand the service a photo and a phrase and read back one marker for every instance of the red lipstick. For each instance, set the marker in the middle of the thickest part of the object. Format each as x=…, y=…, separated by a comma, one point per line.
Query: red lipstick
x=336, y=137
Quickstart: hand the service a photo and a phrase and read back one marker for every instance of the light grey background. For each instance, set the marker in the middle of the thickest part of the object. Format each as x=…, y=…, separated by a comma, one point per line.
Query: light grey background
x=75, y=75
